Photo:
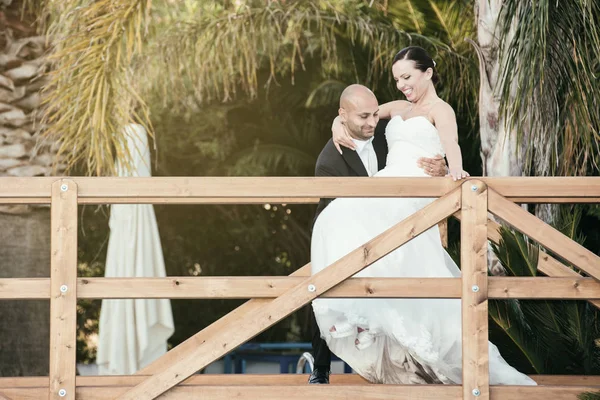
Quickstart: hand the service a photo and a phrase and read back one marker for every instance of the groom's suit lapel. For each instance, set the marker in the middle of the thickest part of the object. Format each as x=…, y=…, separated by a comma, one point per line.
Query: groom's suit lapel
x=380, y=143
x=353, y=160
x=381, y=150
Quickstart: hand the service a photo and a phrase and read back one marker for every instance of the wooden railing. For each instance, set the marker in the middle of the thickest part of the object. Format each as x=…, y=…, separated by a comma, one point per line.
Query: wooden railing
x=273, y=298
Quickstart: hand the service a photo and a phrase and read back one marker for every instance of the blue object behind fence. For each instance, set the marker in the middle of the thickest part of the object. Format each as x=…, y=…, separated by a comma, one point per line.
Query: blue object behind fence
x=286, y=354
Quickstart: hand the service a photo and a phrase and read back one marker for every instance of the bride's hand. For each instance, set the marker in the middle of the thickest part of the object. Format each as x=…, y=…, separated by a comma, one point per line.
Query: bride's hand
x=458, y=174
x=341, y=135
x=435, y=166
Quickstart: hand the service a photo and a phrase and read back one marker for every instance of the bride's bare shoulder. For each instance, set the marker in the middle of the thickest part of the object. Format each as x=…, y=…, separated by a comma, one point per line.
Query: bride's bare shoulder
x=441, y=109
x=393, y=108
x=442, y=115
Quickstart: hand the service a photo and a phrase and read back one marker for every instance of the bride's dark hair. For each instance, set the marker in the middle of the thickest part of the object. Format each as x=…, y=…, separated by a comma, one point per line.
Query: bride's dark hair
x=421, y=58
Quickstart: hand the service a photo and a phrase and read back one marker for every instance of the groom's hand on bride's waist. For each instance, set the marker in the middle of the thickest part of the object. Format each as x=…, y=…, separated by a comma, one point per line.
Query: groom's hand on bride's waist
x=435, y=166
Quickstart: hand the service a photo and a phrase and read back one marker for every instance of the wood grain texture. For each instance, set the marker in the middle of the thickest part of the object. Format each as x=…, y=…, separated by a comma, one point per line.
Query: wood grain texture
x=473, y=239
x=63, y=290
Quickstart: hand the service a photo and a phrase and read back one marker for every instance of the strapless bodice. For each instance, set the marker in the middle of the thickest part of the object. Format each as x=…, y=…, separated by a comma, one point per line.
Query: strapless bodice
x=408, y=140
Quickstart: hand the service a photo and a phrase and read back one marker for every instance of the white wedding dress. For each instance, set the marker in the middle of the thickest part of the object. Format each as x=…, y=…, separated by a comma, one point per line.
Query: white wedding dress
x=413, y=340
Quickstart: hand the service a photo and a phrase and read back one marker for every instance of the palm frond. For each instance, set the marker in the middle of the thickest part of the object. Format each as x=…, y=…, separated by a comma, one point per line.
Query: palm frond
x=198, y=52
x=594, y=210
x=264, y=159
x=414, y=15
x=519, y=258
x=568, y=222
x=589, y=396
x=222, y=53
x=91, y=96
x=442, y=17
x=549, y=82
x=325, y=94
x=517, y=255
x=509, y=318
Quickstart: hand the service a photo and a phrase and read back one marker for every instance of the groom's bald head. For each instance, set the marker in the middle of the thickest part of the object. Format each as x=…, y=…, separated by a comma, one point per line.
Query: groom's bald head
x=359, y=111
x=353, y=95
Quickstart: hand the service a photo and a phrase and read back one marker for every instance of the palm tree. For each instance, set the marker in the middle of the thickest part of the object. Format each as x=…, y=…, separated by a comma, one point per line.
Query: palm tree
x=24, y=230
x=539, y=88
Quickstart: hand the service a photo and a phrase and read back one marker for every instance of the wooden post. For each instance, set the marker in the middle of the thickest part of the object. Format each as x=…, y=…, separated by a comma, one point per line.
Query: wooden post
x=63, y=293
x=474, y=291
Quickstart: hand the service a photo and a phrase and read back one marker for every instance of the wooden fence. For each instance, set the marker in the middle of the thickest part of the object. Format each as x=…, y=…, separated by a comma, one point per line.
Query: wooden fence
x=273, y=298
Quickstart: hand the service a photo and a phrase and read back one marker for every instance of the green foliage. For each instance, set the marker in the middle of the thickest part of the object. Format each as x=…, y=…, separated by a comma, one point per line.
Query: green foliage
x=518, y=256
x=195, y=52
x=589, y=396
x=92, y=241
x=544, y=337
x=569, y=220
x=220, y=51
x=549, y=83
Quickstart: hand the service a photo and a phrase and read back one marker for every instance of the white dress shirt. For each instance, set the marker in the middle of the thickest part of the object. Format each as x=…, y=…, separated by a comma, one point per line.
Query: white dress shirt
x=367, y=155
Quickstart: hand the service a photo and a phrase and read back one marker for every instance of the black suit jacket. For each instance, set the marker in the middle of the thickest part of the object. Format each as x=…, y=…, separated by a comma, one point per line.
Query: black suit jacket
x=332, y=163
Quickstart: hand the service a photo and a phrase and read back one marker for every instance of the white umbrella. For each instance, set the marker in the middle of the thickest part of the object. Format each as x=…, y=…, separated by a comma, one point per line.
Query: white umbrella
x=133, y=332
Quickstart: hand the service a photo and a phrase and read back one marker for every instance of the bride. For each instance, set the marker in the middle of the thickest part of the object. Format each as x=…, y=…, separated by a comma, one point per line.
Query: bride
x=397, y=341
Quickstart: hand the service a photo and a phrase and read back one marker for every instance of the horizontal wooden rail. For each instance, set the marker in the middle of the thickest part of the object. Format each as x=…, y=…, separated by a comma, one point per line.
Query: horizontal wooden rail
x=316, y=392
x=235, y=287
x=176, y=200
x=262, y=379
x=254, y=200
x=304, y=189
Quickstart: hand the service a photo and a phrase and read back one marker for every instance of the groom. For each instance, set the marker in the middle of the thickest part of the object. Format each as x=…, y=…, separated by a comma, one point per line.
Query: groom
x=359, y=115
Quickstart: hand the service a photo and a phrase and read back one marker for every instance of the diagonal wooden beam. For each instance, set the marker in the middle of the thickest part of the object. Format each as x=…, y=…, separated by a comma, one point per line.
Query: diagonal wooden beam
x=544, y=234
x=173, y=355
x=184, y=348
x=251, y=324
x=547, y=264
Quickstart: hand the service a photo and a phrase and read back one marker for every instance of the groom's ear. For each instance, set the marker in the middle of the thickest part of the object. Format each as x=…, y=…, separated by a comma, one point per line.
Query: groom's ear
x=343, y=114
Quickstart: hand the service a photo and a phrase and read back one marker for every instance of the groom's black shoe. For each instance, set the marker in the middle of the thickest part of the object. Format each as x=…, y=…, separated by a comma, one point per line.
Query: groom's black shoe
x=319, y=376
